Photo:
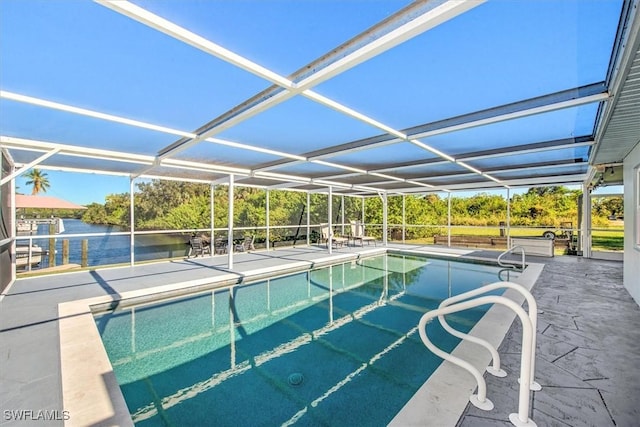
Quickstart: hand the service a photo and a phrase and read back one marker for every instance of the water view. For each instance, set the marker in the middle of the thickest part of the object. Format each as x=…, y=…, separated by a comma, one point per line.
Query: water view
x=108, y=249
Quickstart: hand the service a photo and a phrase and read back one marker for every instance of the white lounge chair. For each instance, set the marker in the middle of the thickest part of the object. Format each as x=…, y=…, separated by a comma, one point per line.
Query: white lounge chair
x=357, y=233
x=337, y=241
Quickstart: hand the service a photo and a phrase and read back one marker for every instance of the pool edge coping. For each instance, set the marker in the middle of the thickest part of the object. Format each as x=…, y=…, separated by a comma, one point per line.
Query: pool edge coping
x=90, y=392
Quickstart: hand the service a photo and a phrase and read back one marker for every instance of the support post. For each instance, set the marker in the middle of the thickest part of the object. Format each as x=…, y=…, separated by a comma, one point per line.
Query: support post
x=330, y=214
x=585, y=235
x=212, y=219
x=84, y=253
x=362, y=224
x=385, y=214
x=508, y=218
x=132, y=240
x=268, y=233
x=230, y=245
x=13, y=231
x=342, y=215
x=308, y=219
x=404, y=218
x=65, y=251
x=52, y=246
x=449, y=220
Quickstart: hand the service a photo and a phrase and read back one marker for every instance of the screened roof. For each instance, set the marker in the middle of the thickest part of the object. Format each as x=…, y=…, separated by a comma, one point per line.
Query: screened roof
x=363, y=96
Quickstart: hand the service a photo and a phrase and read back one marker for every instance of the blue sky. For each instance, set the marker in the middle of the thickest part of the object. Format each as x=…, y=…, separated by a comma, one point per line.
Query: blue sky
x=79, y=188
x=83, y=54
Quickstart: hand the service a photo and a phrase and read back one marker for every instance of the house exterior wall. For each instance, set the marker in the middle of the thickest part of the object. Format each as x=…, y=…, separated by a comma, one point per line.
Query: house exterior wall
x=632, y=223
x=6, y=226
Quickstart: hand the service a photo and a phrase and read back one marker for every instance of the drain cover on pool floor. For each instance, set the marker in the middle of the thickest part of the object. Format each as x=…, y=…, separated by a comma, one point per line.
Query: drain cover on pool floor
x=296, y=379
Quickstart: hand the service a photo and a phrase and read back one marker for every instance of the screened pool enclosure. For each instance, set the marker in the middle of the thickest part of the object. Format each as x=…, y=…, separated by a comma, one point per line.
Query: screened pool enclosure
x=352, y=100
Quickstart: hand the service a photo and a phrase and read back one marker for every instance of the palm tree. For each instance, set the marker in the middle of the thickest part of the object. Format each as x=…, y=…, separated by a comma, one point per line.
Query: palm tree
x=39, y=181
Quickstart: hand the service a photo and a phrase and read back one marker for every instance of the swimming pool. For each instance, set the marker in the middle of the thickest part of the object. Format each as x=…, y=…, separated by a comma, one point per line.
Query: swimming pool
x=332, y=346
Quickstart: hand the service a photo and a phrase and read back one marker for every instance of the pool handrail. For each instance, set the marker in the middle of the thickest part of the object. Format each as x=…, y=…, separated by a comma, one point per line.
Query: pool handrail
x=532, y=307
x=508, y=251
x=480, y=400
x=509, y=270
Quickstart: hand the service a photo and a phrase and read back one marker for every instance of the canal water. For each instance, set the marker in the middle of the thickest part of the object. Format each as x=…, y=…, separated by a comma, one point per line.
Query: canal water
x=105, y=250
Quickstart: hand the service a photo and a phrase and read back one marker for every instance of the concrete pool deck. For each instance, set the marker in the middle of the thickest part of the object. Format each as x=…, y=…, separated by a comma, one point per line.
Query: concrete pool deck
x=30, y=341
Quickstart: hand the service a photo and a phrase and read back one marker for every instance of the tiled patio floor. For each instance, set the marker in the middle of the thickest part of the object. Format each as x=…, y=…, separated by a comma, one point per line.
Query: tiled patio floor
x=588, y=359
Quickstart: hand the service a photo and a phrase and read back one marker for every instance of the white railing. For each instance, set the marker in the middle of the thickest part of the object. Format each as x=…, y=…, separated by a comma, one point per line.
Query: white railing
x=527, y=361
x=508, y=251
x=532, y=306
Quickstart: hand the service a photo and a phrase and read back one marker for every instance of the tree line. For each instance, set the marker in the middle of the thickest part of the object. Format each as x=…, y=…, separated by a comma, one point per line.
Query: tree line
x=177, y=205
x=173, y=205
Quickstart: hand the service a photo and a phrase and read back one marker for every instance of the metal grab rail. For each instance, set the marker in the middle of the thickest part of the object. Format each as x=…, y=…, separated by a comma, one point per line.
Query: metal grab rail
x=508, y=271
x=508, y=251
x=521, y=418
x=532, y=306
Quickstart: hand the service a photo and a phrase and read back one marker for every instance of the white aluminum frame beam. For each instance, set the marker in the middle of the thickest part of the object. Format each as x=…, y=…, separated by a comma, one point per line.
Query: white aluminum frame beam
x=517, y=168
x=551, y=102
x=511, y=151
x=573, y=179
x=137, y=123
x=151, y=161
x=387, y=39
x=502, y=152
x=158, y=23
x=399, y=34
x=557, y=101
x=90, y=113
x=525, y=182
x=516, y=115
x=107, y=155
x=73, y=150
x=28, y=166
x=83, y=170
x=50, y=147
x=358, y=55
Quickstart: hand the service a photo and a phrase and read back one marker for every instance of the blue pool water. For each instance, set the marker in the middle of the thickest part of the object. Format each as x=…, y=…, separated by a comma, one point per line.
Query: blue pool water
x=335, y=346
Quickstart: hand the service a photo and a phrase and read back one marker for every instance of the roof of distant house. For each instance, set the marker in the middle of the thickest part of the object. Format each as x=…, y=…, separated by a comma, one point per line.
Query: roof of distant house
x=25, y=201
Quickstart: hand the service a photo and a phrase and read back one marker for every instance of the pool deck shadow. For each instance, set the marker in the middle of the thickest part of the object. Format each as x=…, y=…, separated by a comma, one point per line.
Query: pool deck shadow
x=585, y=359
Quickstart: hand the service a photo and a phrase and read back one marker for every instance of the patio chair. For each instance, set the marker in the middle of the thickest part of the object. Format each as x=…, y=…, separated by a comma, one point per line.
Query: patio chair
x=219, y=246
x=357, y=233
x=197, y=247
x=337, y=241
x=246, y=245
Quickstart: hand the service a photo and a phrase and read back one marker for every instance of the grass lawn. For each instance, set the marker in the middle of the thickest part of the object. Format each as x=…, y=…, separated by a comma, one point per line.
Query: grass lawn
x=611, y=239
